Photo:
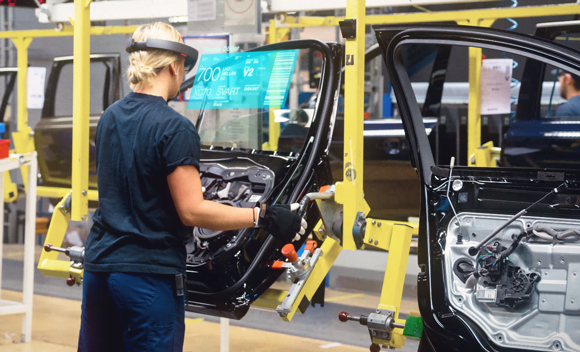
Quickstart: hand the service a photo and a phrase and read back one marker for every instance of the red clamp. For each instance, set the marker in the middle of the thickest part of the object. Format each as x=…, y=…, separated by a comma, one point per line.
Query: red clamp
x=289, y=252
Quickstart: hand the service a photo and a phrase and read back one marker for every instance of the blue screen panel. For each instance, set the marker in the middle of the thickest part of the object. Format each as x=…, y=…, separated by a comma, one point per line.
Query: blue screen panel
x=253, y=80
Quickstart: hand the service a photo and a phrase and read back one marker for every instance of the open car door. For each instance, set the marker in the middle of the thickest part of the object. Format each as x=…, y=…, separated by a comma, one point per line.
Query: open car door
x=499, y=248
x=53, y=133
x=258, y=146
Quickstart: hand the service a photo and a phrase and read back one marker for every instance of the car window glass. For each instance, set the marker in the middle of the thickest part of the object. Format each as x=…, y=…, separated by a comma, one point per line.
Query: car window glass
x=280, y=128
x=63, y=103
x=442, y=97
x=551, y=94
x=377, y=89
x=525, y=115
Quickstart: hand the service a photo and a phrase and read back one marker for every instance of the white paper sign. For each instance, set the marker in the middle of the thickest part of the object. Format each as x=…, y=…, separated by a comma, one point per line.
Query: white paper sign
x=35, y=87
x=496, y=79
x=201, y=10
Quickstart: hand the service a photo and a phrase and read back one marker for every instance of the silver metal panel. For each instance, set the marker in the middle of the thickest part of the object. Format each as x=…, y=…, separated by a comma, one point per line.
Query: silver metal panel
x=550, y=322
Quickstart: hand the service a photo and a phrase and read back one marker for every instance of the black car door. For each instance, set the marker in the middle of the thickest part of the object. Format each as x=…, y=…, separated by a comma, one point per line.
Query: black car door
x=53, y=133
x=253, y=154
x=499, y=248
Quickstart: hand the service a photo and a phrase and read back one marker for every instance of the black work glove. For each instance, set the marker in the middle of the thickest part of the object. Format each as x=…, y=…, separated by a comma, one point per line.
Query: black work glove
x=281, y=222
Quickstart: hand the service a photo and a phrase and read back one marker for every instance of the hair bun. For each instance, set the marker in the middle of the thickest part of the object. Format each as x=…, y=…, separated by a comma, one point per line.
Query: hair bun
x=144, y=66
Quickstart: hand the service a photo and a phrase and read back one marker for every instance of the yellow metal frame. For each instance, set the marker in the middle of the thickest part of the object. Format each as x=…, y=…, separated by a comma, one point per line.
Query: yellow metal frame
x=24, y=137
x=396, y=238
x=81, y=112
x=349, y=193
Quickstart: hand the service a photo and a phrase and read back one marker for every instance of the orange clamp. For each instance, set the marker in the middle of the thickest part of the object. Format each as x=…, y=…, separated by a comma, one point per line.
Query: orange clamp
x=278, y=265
x=310, y=246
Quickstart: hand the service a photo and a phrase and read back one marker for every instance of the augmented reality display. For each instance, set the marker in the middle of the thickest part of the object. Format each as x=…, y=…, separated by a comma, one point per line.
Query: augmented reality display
x=252, y=80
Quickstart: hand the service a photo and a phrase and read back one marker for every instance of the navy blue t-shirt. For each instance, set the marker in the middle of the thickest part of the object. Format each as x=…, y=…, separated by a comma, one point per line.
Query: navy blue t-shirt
x=570, y=108
x=140, y=141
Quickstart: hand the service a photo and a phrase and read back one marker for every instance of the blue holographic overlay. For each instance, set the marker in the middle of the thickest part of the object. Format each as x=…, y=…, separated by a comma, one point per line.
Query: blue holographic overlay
x=251, y=80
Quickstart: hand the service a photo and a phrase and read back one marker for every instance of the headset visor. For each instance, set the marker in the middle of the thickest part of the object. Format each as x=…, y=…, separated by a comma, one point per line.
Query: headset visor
x=186, y=51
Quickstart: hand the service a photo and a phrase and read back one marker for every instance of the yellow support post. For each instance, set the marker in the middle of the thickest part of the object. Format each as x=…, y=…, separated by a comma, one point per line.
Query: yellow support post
x=396, y=268
x=474, y=108
x=273, y=32
x=22, y=44
x=23, y=138
x=81, y=97
x=396, y=238
x=350, y=192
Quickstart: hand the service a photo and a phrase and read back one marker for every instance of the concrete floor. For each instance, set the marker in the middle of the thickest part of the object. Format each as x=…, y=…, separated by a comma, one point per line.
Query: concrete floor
x=57, y=308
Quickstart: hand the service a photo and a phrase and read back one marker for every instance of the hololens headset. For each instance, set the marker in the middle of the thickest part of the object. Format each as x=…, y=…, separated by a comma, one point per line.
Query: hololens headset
x=186, y=51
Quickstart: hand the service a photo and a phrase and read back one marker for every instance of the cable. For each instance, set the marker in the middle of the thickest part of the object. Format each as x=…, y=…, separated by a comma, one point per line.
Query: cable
x=549, y=233
x=475, y=249
x=451, y=164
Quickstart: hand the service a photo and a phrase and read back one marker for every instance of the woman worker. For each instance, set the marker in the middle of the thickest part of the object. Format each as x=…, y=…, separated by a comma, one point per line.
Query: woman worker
x=149, y=197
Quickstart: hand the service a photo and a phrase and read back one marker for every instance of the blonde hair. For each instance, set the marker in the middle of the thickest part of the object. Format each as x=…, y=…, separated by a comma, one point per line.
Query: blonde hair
x=145, y=65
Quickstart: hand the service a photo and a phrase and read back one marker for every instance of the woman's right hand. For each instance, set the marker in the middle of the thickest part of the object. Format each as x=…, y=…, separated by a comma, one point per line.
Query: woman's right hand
x=281, y=222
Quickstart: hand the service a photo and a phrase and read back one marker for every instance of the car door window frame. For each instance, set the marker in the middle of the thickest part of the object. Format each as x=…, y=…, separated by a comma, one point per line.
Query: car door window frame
x=112, y=84
x=485, y=38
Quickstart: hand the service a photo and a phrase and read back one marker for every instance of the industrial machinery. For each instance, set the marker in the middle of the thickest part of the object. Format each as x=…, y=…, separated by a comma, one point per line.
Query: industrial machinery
x=245, y=160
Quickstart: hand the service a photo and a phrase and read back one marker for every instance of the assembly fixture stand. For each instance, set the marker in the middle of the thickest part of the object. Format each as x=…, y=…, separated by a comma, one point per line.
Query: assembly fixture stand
x=16, y=161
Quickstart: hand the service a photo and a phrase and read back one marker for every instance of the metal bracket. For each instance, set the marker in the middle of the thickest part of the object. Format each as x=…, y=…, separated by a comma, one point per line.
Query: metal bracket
x=65, y=206
x=348, y=29
x=330, y=213
x=381, y=324
x=286, y=307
